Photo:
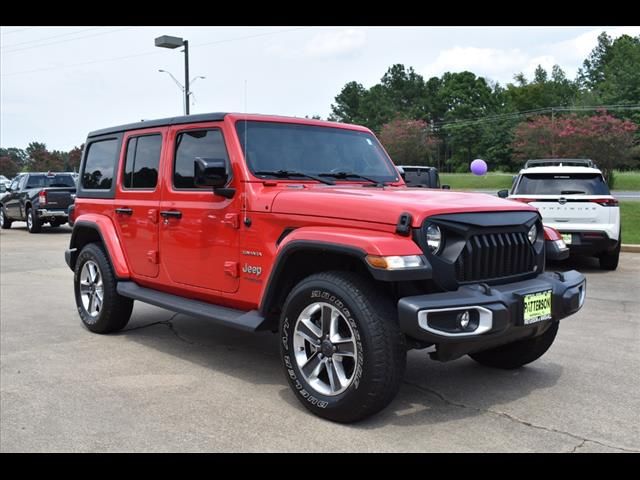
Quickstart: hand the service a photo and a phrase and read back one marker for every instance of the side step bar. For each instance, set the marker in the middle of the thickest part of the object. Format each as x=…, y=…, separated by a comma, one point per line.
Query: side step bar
x=249, y=321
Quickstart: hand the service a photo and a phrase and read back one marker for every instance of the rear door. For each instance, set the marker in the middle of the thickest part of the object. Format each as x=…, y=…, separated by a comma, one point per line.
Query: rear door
x=199, y=230
x=138, y=199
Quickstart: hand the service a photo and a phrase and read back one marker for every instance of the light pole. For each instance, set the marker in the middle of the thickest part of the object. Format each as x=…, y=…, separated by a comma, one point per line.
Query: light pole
x=192, y=81
x=167, y=41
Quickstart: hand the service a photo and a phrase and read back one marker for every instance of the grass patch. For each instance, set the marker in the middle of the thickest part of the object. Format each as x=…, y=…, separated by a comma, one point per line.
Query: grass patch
x=630, y=213
x=468, y=181
x=498, y=181
x=627, y=181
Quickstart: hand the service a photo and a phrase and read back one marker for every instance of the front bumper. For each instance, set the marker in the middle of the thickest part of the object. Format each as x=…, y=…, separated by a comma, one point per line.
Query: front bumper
x=554, y=252
x=500, y=311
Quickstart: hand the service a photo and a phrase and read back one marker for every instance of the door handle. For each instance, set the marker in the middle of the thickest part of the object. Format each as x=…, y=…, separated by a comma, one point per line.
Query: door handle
x=124, y=211
x=171, y=214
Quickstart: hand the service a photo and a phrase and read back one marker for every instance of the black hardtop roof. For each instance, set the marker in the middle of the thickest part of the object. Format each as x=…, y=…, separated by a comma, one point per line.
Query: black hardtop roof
x=202, y=117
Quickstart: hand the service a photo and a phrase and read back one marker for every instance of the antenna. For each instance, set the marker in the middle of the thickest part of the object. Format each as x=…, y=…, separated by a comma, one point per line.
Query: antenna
x=246, y=152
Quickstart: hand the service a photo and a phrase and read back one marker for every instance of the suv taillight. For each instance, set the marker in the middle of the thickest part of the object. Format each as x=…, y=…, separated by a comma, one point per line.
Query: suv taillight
x=605, y=202
x=42, y=198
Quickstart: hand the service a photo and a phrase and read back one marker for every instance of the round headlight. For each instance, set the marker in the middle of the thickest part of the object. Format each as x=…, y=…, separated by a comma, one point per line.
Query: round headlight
x=533, y=234
x=434, y=238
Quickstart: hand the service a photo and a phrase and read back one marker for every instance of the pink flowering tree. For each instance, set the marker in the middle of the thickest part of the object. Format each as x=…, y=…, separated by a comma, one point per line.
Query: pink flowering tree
x=408, y=141
x=607, y=140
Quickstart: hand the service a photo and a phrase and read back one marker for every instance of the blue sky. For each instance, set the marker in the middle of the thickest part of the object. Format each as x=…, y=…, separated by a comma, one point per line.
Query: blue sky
x=58, y=83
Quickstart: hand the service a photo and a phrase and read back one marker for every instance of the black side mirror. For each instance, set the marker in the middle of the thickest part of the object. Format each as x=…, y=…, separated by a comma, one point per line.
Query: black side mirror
x=210, y=172
x=503, y=193
x=446, y=187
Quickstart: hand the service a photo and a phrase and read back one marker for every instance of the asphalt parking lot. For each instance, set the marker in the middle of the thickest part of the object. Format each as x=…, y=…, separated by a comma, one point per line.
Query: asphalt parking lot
x=174, y=383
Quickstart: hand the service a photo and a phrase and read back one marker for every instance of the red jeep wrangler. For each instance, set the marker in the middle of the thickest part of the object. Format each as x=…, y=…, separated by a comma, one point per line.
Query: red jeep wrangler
x=306, y=228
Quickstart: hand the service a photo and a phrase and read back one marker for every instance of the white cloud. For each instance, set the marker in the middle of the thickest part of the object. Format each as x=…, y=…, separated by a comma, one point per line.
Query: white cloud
x=491, y=62
x=337, y=43
x=502, y=63
x=328, y=44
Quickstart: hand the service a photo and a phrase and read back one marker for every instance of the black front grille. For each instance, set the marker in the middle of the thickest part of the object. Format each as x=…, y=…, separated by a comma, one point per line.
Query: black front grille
x=495, y=255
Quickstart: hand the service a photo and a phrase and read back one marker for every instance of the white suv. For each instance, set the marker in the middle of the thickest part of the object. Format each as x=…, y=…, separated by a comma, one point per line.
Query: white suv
x=573, y=197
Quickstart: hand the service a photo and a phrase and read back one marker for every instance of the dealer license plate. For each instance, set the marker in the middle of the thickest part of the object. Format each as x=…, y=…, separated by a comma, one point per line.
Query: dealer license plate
x=567, y=238
x=537, y=307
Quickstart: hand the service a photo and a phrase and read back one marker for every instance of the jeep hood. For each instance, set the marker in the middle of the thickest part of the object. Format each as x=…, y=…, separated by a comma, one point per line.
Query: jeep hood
x=385, y=205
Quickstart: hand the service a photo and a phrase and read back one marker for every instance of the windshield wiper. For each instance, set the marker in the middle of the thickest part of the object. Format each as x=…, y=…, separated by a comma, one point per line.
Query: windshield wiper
x=345, y=175
x=569, y=192
x=291, y=173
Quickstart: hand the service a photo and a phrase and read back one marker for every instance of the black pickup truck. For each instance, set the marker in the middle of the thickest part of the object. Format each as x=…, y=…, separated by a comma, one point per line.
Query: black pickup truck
x=38, y=198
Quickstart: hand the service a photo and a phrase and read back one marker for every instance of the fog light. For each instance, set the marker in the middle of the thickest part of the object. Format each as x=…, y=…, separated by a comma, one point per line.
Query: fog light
x=463, y=319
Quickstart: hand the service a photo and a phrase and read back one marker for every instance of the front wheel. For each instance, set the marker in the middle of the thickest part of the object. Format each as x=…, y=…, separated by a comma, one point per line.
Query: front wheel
x=101, y=308
x=343, y=353
x=4, y=221
x=516, y=354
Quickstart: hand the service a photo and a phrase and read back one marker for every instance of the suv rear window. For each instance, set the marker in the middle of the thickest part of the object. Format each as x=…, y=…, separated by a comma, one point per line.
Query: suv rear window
x=562, y=184
x=46, y=181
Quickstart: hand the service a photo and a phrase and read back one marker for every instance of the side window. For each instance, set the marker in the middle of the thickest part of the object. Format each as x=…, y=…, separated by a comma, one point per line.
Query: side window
x=98, y=168
x=14, y=183
x=191, y=145
x=143, y=158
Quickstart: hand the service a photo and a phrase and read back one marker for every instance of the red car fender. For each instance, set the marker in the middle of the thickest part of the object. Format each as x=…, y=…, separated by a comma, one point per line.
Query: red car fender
x=107, y=232
x=370, y=242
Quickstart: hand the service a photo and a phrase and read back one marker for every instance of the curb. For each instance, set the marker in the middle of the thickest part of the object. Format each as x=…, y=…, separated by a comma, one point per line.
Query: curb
x=630, y=248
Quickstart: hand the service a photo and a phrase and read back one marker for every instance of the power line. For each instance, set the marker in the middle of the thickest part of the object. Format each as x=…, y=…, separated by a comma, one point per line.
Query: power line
x=538, y=111
x=113, y=59
x=47, y=38
x=67, y=40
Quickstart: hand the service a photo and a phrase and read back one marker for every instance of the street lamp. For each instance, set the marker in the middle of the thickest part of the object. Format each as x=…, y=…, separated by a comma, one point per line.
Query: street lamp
x=191, y=82
x=167, y=41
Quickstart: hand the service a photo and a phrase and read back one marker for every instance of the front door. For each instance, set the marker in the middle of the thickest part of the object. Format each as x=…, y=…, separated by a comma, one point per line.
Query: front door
x=138, y=199
x=199, y=230
x=11, y=202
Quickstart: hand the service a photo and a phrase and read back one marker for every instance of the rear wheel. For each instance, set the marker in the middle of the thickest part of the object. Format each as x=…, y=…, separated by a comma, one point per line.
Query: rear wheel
x=4, y=221
x=33, y=222
x=517, y=354
x=101, y=308
x=609, y=260
x=343, y=353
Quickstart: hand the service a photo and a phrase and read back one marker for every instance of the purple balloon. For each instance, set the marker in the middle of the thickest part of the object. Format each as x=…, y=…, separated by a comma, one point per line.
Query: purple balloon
x=478, y=167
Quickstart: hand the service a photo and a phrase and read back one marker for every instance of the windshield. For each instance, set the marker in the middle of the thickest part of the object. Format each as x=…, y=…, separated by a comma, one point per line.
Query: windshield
x=308, y=149
x=562, y=184
x=37, y=181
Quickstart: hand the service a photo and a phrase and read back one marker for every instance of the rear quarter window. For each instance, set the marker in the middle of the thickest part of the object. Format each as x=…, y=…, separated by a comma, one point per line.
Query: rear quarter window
x=99, y=163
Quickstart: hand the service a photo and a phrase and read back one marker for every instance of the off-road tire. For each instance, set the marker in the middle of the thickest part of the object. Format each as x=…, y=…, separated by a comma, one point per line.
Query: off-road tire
x=115, y=310
x=380, y=345
x=516, y=354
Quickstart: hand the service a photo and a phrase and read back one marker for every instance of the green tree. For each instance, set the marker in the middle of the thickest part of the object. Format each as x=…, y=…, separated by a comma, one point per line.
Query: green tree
x=8, y=167
x=408, y=142
x=607, y=140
